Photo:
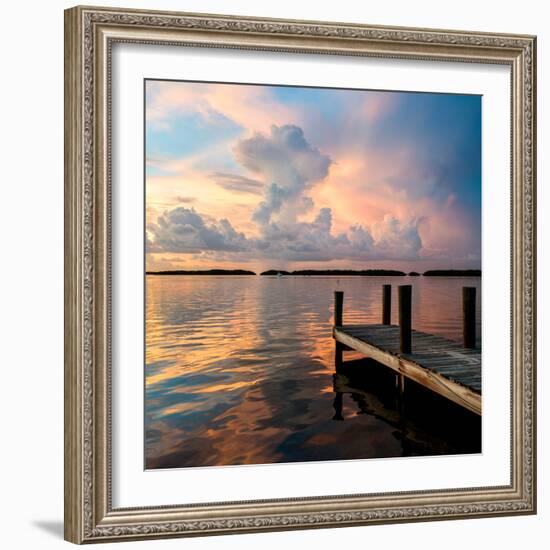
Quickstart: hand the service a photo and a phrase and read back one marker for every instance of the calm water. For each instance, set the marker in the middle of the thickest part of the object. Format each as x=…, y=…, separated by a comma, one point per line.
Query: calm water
x=240, y=370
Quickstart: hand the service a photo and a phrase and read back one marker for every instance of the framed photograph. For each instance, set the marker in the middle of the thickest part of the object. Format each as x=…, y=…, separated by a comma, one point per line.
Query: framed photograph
x=300, y=274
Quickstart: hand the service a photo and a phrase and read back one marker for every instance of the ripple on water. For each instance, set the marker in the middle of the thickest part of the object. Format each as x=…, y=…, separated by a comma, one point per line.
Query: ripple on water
x=239, y=370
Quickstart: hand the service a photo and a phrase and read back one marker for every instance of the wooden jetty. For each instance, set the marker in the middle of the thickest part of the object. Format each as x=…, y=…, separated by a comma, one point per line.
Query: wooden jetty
x=439, y=364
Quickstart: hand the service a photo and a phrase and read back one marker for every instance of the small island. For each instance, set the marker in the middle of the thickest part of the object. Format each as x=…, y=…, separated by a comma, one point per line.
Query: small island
x=203, y=272
x=276, y=272
x=339, y=272
x=453, y=273
x=414, y=274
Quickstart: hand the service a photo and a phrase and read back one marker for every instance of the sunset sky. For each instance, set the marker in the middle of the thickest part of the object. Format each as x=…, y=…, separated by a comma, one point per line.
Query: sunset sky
x=260, y=177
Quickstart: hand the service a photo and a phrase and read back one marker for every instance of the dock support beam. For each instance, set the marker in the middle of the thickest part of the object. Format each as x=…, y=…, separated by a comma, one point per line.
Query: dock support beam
x=338, y=308
x=400, y=383
x=400, y=387
x=469, y=316
x=405, y=318
x=386, y=305
x=338, y=321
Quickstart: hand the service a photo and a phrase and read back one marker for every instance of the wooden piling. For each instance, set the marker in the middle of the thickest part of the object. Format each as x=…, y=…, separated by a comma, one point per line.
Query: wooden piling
x=338, y=308
x=386, y=305
x=405, y=318
x=338, y=321
x=469, y=316
x=400, y=384
x=400, y=387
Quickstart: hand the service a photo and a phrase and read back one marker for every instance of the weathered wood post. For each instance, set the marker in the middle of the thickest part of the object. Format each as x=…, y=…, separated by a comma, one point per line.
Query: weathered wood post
x=338, y=308
x=405, y=321
x=386, y=305
x=338, y=321
x=469, y=316
x=400, y=385
x=405, y=331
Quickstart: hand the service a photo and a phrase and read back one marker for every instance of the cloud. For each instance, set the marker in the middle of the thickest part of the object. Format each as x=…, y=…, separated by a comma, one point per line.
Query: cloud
x=186, y=200
x=184, y=230
x=315, y=241
x=350, y=175
x=237, y=183
x=252, y=107
x=187, y=231
x=397, y=240
x=305, y=241
x=376, y=105
x=288, y=164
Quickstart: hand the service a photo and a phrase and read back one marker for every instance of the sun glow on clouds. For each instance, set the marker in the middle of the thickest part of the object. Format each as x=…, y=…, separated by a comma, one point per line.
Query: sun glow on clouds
x=282, y=177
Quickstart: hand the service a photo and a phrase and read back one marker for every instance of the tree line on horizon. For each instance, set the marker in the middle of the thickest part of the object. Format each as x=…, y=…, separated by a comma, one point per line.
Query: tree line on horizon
x=334, y=272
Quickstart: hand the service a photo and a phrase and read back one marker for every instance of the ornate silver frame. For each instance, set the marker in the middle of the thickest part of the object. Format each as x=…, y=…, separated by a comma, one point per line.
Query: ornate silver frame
x=89, y=36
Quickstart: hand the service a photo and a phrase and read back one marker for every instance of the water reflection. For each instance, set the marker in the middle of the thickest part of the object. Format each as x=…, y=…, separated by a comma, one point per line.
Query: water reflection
x=424, y=422
x=239, y=370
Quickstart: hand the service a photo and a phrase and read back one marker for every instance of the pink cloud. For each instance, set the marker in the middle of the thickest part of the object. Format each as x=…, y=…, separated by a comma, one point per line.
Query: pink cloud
x=376, y=105
x=252, y=107
x=361, y=200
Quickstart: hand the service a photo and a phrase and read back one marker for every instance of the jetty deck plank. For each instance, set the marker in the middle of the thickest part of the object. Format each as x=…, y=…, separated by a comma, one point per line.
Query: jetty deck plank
x=437, y=363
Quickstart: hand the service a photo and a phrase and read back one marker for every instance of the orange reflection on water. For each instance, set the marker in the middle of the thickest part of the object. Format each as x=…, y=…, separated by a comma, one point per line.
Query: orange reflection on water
x=239, y=369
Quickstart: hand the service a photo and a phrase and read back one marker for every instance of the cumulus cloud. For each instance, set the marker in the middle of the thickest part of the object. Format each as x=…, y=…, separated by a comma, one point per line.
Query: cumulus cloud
x=187, y=231
x=184, y=230
x=280, y=200
x=315, y=241
x=397, y=240
x=305, y=241
x=288, y=164
x=414, y=157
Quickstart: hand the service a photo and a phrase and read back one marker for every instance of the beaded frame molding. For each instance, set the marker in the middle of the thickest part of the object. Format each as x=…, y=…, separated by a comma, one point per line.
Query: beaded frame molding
x=89, y=36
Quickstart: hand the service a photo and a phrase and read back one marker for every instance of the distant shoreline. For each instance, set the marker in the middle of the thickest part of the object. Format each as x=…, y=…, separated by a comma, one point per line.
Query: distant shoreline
x=327, y=272
x=453, y=273
x=339, y=272
x=203, y=272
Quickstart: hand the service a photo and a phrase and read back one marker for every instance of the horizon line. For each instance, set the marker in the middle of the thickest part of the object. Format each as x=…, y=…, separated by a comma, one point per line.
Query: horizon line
x=343, y=271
